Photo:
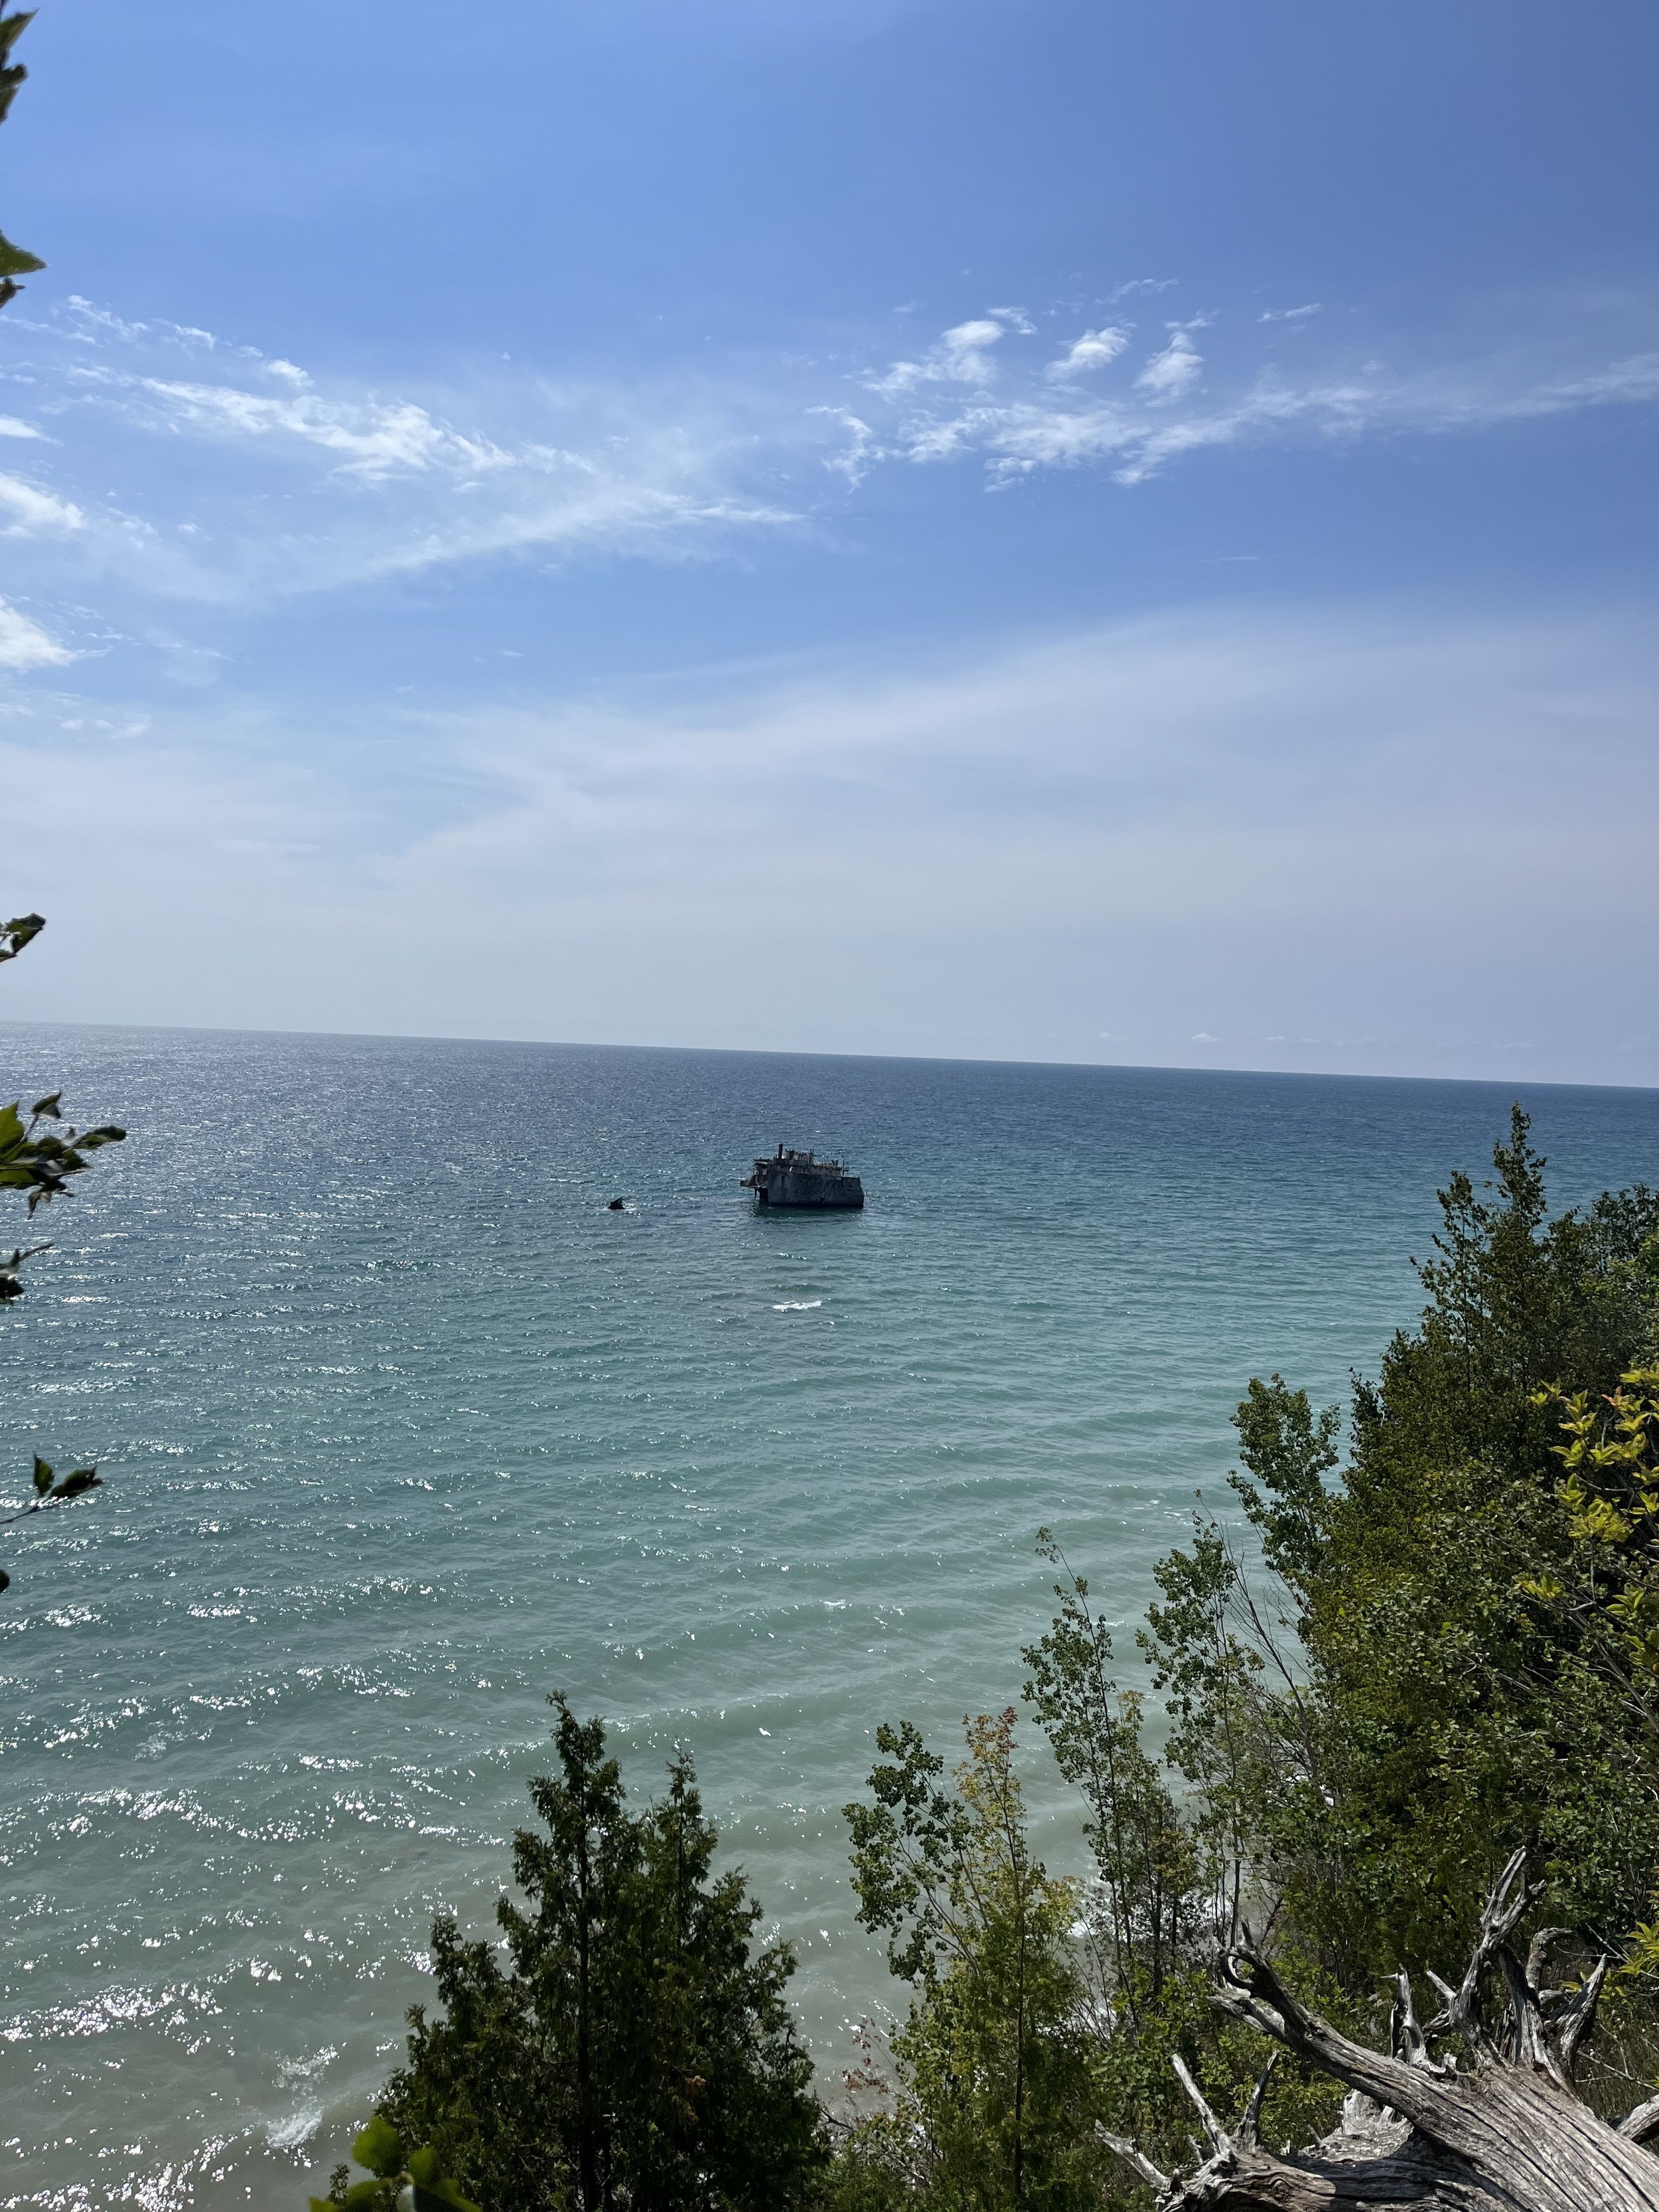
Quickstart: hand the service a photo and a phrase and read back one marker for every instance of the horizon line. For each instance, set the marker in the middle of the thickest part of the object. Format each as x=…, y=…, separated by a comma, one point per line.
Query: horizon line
x=774, y=1052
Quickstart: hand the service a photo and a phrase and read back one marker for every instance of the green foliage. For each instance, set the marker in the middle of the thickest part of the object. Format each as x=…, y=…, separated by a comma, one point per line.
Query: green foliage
x=402, y=2181
x=52, y=1489
x=1168, y=1884
x=39, y=1163
x=1421, y=1680
x=635, y=2048
x=1516, y=1302
x=42, y=1162
x=23, y=928
x=990, y=2107
x=1460, y=1715
x=1410, y=1664
x=1594, y=1593
x=14, y=262
x=1290, y=1450
x=1146, y=1857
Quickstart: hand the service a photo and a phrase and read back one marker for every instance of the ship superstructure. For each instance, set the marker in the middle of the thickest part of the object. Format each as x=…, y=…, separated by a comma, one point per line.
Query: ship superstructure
x=791, y=1178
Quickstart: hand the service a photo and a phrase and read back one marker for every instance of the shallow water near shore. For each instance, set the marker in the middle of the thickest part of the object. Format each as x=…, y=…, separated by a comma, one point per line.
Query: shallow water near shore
x=403, y=1428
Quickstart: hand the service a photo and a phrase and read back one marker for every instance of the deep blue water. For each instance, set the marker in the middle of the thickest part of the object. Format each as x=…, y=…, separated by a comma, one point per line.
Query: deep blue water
x=403, y=1428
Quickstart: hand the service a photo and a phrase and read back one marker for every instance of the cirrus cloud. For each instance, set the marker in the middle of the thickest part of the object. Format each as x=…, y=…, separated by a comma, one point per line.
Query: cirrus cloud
x=242, y=478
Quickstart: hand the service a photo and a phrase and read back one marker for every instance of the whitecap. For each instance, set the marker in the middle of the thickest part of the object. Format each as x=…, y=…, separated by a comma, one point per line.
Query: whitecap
x=797, y=1305
x=299, y=2127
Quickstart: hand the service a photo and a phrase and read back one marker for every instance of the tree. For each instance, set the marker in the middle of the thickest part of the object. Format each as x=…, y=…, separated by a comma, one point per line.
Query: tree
x=1146, y=1858
x=35, y=1158
x=993, y=2084
x=1516, y=1300
x=1459, y=1716
x=636, y=2051
x=1390, y=1704
x=1443, y=1651
x=1170, y=1879
x=14, y=262
x=1446, y=1652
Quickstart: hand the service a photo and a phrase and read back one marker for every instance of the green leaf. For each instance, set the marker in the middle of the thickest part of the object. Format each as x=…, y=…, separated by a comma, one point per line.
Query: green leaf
x=76, y=1485
x=445, y=2197
x=380, y=2146
x=433, y=2191
x=12, y=28
x=15, y=262
x=42, y=1474
x=5, y=1580
x=11, y=1125
x=23, y=928
x=48, y=1107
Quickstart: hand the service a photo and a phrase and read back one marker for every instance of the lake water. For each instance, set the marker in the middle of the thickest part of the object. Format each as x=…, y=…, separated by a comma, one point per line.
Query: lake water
x=403, y=1428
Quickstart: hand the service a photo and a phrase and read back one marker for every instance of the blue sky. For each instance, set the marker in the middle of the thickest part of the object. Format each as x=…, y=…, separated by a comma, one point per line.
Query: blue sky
x=1072, y=531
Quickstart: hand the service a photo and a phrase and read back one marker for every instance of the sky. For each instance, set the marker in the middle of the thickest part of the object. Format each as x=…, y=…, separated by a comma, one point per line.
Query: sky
x=1052, y=530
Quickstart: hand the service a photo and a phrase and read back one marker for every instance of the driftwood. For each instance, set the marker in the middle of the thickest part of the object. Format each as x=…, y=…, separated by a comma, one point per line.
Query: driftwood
x=1510, y=2133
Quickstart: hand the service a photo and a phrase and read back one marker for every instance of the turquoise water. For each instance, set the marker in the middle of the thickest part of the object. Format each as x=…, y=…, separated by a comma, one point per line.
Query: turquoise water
x=403, y=1428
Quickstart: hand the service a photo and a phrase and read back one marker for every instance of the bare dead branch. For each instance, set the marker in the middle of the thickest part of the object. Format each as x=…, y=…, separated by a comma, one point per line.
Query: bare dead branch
x=1575, y=2019
x=1405, y=2034
x=1509, y=1899
x=1249, y=2128
x=1510, y=2135
x=1219, y=2139
x=1134, y=2158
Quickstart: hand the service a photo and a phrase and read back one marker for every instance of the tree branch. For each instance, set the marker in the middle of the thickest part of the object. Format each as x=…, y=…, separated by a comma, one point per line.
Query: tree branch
x=1134, y=2158
x=1504, y=1908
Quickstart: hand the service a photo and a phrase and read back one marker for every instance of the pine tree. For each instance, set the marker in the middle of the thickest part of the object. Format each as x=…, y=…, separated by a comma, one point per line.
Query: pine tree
x=636, y=2050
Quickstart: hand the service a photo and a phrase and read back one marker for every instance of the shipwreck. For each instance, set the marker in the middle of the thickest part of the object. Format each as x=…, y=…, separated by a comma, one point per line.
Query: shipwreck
x=800, y=1179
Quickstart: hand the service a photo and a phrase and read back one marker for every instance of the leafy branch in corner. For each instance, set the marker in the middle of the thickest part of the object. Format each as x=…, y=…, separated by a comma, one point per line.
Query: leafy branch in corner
x=13, y=261
x=42, y=1164
x=51, y=1488
x=23, y=928
x=35, y=1159
x=38, y=1163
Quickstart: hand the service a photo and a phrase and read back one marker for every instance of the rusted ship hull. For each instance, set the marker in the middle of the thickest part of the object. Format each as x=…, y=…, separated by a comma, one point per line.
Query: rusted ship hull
x=796, y=1179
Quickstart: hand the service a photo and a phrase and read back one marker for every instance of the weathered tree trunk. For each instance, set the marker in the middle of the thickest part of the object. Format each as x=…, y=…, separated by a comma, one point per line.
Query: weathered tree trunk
x=1510, y=2134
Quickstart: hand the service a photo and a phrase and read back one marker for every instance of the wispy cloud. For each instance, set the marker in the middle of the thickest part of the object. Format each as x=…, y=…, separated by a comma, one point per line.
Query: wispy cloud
x=35, y=513
x=24, y=644
x=861, y=450
x=1172, y=374
x=1179, y=403
x=372, y=439
x=962, y=355
x=1239, y=823
x=242, y=478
